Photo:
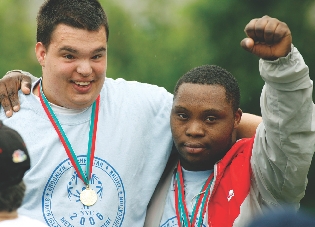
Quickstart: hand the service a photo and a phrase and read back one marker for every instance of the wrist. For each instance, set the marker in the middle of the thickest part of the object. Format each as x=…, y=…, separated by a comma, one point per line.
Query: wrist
x=14, y=70
x=33, y=78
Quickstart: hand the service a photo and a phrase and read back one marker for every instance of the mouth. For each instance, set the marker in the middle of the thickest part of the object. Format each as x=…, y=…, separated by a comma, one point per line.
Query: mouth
x=194, y=148
x=82, y=83
x=82, y=87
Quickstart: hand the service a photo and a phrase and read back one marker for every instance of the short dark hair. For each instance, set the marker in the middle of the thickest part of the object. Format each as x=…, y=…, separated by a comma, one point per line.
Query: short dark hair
x=213, y=75
x=11, y=197
x=82, y=14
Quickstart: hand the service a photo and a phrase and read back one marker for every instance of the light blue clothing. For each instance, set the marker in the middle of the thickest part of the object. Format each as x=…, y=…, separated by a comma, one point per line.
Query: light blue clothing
x=133, y=145
x=193, y=181
x=22, y=221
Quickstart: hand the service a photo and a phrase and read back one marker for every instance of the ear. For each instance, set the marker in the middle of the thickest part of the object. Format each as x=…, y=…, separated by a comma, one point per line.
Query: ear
x=40, y=51
x=237, y=117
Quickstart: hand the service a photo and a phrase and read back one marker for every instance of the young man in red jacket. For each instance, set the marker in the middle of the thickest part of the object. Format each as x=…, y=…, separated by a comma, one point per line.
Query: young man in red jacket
x=219, y=181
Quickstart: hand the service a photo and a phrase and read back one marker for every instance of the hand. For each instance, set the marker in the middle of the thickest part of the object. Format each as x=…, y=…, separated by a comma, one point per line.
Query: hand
x=9, y=87
x=268, y=38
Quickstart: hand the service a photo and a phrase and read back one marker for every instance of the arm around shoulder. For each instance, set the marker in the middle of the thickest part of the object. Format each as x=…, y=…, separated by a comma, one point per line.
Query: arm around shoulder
x=248, y=125
x=10, y=84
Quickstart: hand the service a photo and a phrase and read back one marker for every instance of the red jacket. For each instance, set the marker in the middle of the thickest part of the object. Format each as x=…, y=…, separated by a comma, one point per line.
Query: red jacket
x=231, y=184
x=232, y=181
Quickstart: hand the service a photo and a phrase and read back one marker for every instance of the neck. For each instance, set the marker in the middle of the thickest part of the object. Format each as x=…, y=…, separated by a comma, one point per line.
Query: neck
x=4, y=215
x=36, y=90
x=56, y=108
x=196, y=166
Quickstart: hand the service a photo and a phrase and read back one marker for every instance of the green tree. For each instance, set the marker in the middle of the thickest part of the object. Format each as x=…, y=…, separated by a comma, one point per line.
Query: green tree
x=158, y=41
x=16, y=37
x=222, y=24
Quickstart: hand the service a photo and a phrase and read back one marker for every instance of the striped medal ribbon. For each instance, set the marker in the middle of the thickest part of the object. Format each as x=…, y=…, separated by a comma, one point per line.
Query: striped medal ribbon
x=180, y=203
x=88, y=196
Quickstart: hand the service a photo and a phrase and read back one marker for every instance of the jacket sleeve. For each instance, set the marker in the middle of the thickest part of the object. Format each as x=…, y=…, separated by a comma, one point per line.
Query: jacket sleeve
x=284, y=141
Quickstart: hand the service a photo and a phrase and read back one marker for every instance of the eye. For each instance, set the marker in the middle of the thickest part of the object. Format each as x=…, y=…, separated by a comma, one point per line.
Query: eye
x=97, y=56
x=68, y=56
x=182, y=116
x=211, y=119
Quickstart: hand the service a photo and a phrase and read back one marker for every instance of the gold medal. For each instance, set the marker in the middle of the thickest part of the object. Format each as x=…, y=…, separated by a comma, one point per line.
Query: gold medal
x=88, y=197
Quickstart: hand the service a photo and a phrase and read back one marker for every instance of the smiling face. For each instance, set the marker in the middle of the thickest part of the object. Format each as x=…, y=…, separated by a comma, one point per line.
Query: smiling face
x=74, y=66
x=202, y=123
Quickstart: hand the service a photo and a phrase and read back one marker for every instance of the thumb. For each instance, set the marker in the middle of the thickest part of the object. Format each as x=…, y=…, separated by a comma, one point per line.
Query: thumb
x=26, y=84
x=247, y=44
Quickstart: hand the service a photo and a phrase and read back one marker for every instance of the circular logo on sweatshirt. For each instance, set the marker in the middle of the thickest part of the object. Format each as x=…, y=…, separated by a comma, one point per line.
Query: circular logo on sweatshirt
x=61, y=205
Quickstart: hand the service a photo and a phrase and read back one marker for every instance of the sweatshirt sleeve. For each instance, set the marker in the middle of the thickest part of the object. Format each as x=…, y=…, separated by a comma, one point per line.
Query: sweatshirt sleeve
x=285, y=140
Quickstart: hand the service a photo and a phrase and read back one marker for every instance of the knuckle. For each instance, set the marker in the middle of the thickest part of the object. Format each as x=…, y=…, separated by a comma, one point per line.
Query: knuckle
x=11, y=94
x=3, y=97
x=7, y=79
x=268, y=32
x=14, y=102
x=277, y=36
x=4, y=102
x=26, y=79
x=283, y=26
x=259, y=27
x=249, y=30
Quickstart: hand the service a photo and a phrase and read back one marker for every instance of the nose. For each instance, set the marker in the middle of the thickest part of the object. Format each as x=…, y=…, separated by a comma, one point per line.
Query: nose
x=195, y=129
x=84, y=68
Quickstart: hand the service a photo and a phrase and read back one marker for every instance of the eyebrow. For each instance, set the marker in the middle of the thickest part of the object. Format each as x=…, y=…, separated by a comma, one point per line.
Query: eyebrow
x=208, y=111
x=99, y=50
x=71, y=50
x=213, y=111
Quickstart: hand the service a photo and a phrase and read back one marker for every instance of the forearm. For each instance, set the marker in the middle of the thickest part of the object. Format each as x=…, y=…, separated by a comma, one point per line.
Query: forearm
x=248, y=125
x=284, y=144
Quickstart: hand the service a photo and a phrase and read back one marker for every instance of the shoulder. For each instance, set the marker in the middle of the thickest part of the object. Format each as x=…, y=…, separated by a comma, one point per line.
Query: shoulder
x=136, y=92
x=120, y=82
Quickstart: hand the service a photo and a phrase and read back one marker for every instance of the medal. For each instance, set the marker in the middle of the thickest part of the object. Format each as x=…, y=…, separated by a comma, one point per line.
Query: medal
x=88, y=196
x=199, y=209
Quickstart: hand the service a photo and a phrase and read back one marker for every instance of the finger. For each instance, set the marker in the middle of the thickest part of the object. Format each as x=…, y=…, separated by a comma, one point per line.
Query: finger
x=281, y=32
x=14, y=99
x=12, y=85
x=26, y=84
x=250, y=29
x=4, y=101
x=269, y=31
x=260, y=29
x=247, y=44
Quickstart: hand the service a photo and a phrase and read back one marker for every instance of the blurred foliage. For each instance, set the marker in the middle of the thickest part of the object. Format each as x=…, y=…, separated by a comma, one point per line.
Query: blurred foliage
x=16, y=43
x=158, y=41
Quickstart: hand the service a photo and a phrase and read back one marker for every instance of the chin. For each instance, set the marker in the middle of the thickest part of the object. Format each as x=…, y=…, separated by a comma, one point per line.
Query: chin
x=196, y=165
x=81, y=103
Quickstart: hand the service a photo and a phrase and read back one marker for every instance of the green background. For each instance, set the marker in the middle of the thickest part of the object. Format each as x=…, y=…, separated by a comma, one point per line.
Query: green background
x=158, y=41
